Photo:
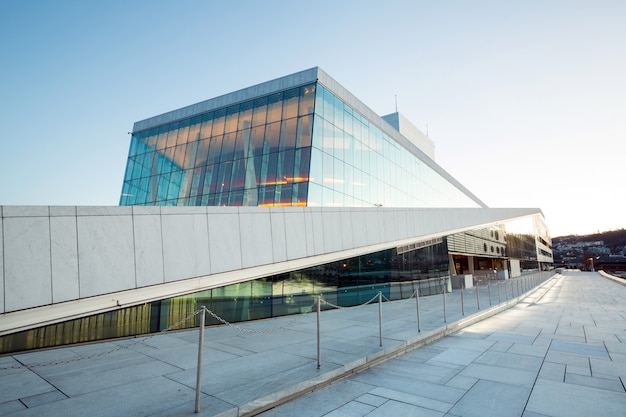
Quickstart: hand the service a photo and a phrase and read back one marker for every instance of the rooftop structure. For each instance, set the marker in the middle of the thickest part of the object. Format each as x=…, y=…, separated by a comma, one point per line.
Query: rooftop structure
x=255, y=203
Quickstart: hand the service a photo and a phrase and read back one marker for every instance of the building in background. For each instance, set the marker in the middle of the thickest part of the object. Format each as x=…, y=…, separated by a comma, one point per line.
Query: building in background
x=257, y=201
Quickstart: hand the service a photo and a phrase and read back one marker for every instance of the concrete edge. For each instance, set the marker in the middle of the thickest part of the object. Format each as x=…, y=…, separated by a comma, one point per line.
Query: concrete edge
x=620, y=281
x=273, y=400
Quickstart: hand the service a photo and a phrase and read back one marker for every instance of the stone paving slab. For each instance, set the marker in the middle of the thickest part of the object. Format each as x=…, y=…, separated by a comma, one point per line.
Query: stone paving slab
x=536, y=363
x=488, y=362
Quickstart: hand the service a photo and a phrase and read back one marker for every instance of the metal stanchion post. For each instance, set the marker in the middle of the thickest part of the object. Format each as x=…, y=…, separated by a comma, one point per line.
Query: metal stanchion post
x=417, y=301
x=499, y=297
x=477, y=296
x=445, y=318
x=489, y=290
x=199, y=373
x=380, y=317
x=319, y=351
x=462, y=301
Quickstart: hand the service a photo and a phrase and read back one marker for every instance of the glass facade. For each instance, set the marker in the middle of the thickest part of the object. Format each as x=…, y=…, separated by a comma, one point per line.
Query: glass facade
x=300, y=147
x=255, y=153
x=346, y=282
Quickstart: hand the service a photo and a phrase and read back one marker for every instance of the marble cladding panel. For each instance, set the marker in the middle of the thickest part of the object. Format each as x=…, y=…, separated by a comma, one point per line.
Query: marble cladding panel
x=389, y=226
x=224, y=241
x=331, y=224
x=360, y=229
x=257, y=239
x=62, y=211
x=27, y=274
x=347, y=238
x=401, y=229
x=295, y=232
x=279, y=236
x=148, y=250
x=375, y=227
x=383, y=231
x=64, y=254
x=309, y=233
x=185, y=246
x=104, y=210
x=25, y=211
x=318, y=232
x=105, y=250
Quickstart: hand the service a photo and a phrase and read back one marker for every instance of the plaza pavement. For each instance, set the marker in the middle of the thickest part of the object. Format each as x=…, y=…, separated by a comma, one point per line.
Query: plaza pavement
x=558, y=349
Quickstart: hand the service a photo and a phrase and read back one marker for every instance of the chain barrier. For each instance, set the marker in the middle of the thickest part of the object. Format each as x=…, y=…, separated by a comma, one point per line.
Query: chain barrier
x=289, y=324
x=535, y=280
x=137, y=341
x=347, y=308
x=404, y=300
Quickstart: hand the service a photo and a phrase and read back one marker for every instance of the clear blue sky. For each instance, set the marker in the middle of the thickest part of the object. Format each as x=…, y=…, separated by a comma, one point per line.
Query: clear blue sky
x=525, y=100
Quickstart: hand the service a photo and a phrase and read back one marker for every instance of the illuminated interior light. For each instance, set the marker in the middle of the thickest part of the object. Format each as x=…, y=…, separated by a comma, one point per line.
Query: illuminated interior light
x=333, y=180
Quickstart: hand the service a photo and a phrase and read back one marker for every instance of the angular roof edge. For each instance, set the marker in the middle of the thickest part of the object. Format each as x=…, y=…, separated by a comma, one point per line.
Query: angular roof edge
x=298, y=79
x=279, y=84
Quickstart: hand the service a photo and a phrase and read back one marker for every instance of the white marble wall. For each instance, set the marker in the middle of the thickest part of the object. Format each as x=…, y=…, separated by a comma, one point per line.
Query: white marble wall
x=52, y=255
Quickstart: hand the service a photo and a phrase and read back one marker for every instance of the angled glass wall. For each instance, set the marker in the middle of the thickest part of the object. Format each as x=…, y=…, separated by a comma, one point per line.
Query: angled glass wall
x=255, y=153
x=347, y=282
x=354, y=163
x=299, y=147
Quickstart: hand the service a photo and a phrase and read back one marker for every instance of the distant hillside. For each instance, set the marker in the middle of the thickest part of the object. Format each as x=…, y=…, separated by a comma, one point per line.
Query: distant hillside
x=612, y=239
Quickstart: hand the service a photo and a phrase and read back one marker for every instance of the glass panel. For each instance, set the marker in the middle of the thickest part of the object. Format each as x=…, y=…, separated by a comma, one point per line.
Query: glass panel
x=329, y=100
x=257, y=135
x=241, y=144
x=171, y=135
x=338, y=173
x=327, y=166
x=228, y=147
x=202, y=152
x=301, y=164
x=300, y=190
x=307, y=100
x=288, y=165
x=190, y=156
x=151, y=139
x=303, y=134
x=338, y=121
x=259, y=112
x=162, y=138
x=314, y=197
x=245, y=116
x=183, y=132
x=238, y=177
x=218, y=122
x=270, y=174
x=225, y=172
x=274, y=107
x=194, y=128
x=288, y=134
x=272, y=137
x=214, y=150
x=317, y=172
x=207, y=124
x=318, y=132
x=290, y=103
x=232, y=114
x=319, y=100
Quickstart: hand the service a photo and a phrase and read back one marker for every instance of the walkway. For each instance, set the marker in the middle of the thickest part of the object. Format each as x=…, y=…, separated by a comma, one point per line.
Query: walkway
x=560, y=351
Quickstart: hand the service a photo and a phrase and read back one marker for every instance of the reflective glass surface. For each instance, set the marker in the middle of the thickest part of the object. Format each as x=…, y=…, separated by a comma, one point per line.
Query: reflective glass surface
x=354, y=163
x=347, y=282
x=302, y=146
x=255, y=153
